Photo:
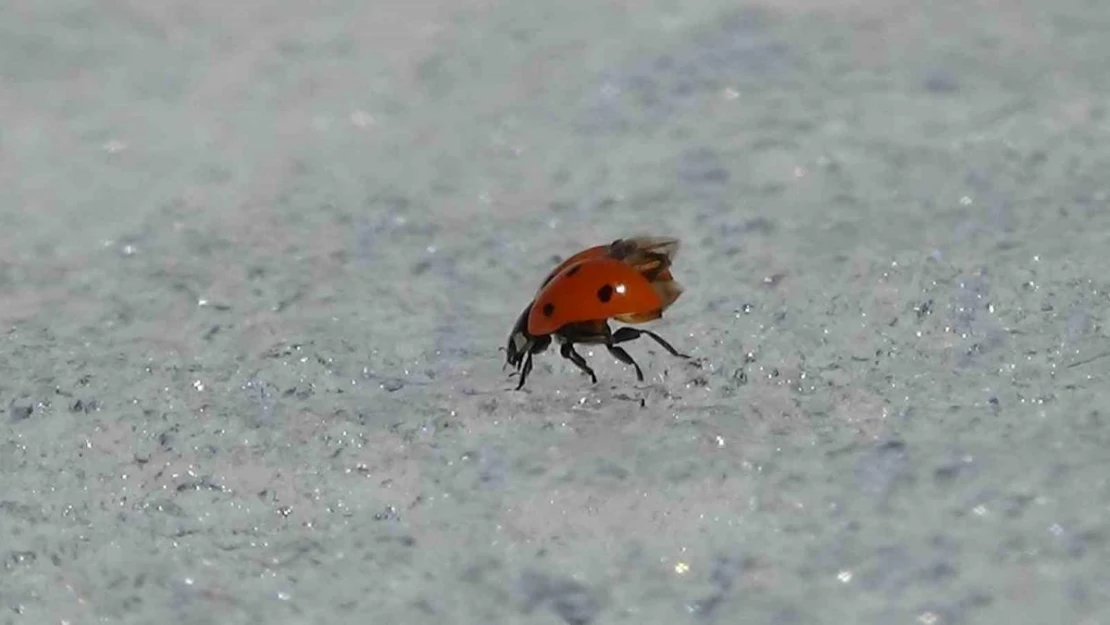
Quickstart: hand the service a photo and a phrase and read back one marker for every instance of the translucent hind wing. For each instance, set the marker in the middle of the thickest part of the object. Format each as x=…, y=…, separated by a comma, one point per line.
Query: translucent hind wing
x=668, y=290
x=644, y=245
x=640, y=317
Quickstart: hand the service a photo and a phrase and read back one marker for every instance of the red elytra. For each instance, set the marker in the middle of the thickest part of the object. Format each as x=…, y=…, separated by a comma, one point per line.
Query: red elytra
x=593, y=290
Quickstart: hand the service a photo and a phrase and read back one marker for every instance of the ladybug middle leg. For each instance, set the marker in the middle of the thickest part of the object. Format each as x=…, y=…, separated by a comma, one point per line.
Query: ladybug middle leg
x=567, y=351
x=590, y=332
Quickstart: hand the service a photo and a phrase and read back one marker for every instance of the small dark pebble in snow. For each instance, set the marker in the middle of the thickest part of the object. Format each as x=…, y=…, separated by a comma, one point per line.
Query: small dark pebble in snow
x=20, y=558
x=392, y=384
x=725, y=571
x=947, y=472
x=941, y=82
x=882, y=467
x=705, y=608
x=571, y=601
x=389, y=513
x=84, y=406
x=20, y=412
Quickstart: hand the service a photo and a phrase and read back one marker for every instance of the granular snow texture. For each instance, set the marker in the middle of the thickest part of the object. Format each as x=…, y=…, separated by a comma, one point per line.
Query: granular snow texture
x=257, y=259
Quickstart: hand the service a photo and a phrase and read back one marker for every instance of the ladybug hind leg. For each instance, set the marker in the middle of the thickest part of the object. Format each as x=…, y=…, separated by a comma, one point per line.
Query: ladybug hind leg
x=623, y=356
x=626, y=334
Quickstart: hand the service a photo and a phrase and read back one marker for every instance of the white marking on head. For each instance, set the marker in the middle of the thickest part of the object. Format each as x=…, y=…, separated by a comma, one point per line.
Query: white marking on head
x=519, y=341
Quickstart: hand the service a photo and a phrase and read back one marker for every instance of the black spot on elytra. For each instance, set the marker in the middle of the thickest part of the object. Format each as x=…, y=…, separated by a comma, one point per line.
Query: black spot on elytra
x=573, y=270
x=548, y=309
x=605, y=293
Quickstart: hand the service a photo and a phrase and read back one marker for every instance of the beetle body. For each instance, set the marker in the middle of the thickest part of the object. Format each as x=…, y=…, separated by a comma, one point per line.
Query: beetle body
x=628, y=280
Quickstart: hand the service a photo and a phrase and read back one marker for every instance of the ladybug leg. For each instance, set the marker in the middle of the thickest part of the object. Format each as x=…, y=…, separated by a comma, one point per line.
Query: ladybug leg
x=536, y=345
x=515, y=356
x=567, y=351
x=624, y=357
x=525, y=370
x=620, y=353
x=526, y=350
x=628, y=334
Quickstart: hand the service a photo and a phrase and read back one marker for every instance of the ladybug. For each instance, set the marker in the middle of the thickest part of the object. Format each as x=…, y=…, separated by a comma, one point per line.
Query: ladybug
x=628, y=280
x=652, y=256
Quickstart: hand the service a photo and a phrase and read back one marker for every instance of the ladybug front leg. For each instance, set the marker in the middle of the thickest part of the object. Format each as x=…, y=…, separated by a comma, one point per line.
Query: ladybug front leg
x=567, y=351
x=525, y=370
x=537, y=345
